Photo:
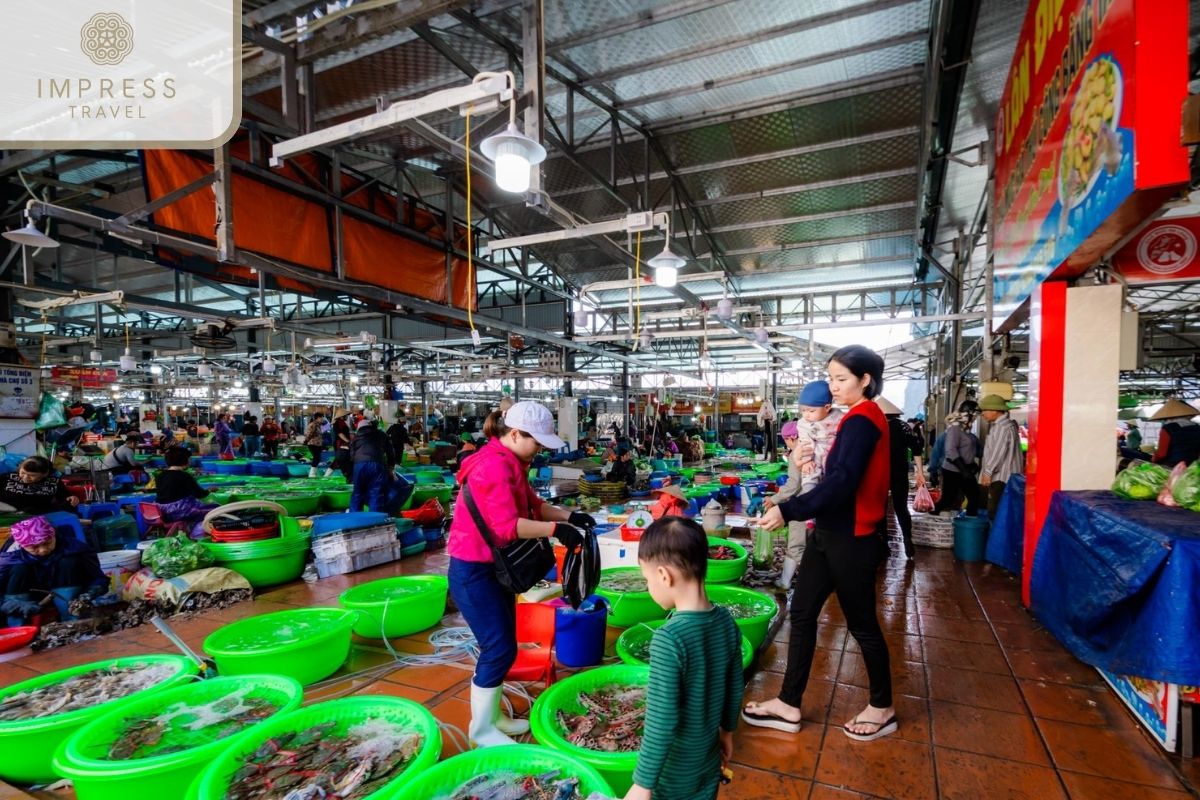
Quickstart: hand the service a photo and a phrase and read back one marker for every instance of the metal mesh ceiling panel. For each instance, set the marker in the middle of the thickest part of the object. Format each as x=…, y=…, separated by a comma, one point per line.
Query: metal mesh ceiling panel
x=836, y=198
x=843, y=226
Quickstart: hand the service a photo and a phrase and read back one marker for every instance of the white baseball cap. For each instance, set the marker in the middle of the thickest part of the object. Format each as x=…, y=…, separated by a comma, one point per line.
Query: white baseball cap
x=536, y=420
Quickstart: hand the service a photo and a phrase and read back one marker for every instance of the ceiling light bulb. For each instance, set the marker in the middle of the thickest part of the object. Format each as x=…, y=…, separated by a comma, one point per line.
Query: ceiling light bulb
x=666, y=266
x=725, y=309
x=581, y=317
x=376, y=356
x=647, y=340
x=96, y=355
x=268, y=366
x=797, y=363
x=204, y=370
x=128, y=362
x=237, y=384
x=666, y=277
x=514, y=154
x=696, y=408
x=761, y=335
x=156, y=369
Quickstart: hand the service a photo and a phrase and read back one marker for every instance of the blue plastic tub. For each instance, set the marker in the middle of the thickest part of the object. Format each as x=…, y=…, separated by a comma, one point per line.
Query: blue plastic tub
x=279, y=469
x=432, y=533
x=260, y=468
x=326, y=524
x=412, y=536
x=579, y=634
x=970, y=538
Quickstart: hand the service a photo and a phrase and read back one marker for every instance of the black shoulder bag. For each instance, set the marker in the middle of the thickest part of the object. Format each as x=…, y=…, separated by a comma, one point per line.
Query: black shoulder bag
x=520, y=565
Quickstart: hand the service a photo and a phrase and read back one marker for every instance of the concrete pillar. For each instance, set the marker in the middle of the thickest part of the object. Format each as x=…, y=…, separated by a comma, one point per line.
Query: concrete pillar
x=1074, y=368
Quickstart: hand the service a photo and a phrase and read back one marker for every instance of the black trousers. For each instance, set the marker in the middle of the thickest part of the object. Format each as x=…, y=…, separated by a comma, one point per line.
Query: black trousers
x=317, y=452
x=68, y=571
x=846, y=565
x=955, y=487
x=900, y=504
x=344, y=463
x=995, y=491
x=271, y=448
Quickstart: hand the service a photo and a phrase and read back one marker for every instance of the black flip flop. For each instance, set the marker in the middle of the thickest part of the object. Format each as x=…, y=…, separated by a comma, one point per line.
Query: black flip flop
x=772, y=721
x=881, y=729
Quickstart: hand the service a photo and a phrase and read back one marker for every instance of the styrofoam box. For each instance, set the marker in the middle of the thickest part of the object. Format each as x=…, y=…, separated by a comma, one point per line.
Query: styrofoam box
x=354, y=541
x=616, y=553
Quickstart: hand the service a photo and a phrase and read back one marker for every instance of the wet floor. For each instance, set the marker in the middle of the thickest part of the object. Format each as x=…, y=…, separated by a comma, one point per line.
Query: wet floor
x=990, y=705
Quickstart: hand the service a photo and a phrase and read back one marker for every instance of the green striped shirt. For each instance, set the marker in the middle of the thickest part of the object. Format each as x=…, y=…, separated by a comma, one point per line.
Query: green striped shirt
x=695, y=689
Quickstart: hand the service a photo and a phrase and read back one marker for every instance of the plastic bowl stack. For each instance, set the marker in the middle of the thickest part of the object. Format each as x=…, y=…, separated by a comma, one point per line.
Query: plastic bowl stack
x=269, y=561
x=761, y=607
x=307, y=644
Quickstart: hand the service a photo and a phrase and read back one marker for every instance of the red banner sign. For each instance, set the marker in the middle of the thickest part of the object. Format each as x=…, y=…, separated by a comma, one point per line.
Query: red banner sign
x=1167, y=251
x=85, y=377
x=1087, y=136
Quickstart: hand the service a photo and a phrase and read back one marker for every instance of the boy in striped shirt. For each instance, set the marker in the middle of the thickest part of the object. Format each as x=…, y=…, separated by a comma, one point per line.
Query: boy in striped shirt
x=696, y=683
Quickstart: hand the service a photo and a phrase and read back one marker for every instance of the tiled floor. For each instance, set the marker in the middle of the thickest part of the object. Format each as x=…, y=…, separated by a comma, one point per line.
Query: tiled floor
x=990, y=705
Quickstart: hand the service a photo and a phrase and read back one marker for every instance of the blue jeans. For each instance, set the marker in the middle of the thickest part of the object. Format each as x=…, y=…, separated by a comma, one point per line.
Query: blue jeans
x=491, y=613
x=251, y=445
x=371, y=484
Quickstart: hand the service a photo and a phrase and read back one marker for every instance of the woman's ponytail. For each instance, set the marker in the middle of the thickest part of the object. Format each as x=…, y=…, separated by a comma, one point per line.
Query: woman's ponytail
x=493, y=426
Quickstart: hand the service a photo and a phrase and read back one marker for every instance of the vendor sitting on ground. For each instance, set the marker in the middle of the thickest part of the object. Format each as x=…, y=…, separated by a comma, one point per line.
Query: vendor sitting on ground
x=623, y=469
x=36, y=560
x=122, y=459
x=35, y=489
x=175, y=483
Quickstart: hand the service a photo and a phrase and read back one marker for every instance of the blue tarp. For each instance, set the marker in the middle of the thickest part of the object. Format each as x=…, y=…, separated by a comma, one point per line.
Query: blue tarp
x=1006, y=542
x=1118, y=583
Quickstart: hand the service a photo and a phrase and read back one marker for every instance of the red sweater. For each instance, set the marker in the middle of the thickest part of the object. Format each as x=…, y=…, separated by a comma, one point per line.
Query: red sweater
x=852, y=496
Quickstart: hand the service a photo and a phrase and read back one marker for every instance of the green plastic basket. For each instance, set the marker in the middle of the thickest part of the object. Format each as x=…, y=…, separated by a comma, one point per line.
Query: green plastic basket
x=395, y=607
x=443, y=779
x=423, y=493
x=730, y=571
x=642, y=632
x=37, y=739
x=755, y=628
x=307, y=644
x=83, y=757
x=628, y=608
x=213, y=783
x=616, y=768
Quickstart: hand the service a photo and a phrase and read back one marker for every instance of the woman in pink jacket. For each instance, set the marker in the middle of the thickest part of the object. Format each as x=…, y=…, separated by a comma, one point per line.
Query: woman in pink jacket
x=498, y=477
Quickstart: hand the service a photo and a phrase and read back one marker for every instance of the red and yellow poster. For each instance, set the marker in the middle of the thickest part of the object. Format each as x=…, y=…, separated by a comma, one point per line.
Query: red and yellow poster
x=1087, y=136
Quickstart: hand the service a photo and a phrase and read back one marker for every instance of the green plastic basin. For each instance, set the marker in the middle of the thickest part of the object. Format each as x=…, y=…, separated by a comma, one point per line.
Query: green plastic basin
x=628, y=608
x=307, y=644
x=83, y=757
x=295, y=504
x=426, y=492
x=639, y=634
x=616, y=768
x=394, y=607
x=38, y=739
x=428, y=477
x=754, y=628
x=213, y=783
x=729, y=571
x=336, y=499
x=443, y=779
x=268, y=570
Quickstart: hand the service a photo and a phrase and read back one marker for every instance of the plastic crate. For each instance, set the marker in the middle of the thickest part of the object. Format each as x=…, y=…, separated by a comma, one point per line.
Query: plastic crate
x=354, y=560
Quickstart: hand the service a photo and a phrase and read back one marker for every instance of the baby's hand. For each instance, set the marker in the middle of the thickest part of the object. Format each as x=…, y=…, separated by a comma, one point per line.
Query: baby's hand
x=808, y=468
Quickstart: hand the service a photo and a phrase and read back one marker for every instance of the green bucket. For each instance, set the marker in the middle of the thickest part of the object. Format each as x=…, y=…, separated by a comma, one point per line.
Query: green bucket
x=395, y=607
x=753, y=627
x=628, y=608
x=295, y=504
x=213, y=783
x=307, y=644
x=726, y=571
x=84, y=757
x=632, y=643
x=616, y=768
x=37, y=739
x=443, y=779
x=423, y=493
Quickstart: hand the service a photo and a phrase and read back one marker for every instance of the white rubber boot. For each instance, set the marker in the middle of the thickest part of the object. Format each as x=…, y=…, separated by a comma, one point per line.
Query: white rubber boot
x=312, y=472
x=508, y=725
x=789, y=570
x=485, y=706
x=329, y=472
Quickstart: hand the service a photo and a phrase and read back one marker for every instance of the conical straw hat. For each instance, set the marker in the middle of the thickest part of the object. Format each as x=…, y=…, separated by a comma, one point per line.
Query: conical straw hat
x=1175, y=409
x=887, y=406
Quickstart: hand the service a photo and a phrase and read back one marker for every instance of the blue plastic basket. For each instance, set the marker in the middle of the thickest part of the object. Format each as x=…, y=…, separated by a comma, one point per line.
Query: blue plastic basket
x=412, y=536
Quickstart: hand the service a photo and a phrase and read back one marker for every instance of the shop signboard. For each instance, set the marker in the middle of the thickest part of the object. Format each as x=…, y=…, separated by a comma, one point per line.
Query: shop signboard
x=84, y=377
x=1087, y=138
x=1166, y=251
x=1154, y=703
x=18, y=392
